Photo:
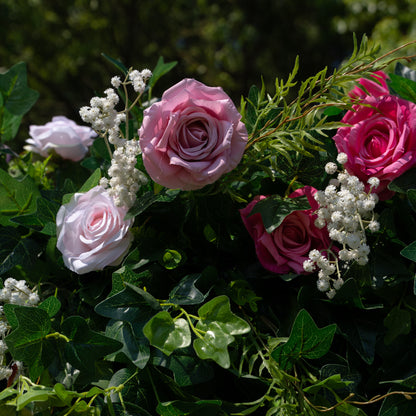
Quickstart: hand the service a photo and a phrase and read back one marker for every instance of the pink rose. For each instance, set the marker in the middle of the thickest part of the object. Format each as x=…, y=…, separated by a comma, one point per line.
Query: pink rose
x=376, y=87
x=192, y=136
x=91, y=231
x=381, y=140
x=287, y=247
x=61, y=135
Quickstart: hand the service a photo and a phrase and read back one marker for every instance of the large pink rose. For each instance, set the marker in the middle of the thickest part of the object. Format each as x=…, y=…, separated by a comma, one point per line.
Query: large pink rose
x=61, y=135
x=91, y=231
x=287, y=247
x=192, y=136
x=380, y=141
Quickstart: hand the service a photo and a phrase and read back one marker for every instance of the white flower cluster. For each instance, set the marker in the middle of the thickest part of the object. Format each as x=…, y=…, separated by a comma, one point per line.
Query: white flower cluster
x=347, y=212
x=125, y=180
x=17, y=293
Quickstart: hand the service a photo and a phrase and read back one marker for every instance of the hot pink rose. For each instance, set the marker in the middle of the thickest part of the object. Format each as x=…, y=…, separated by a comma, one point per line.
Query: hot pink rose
x=91, y=231
x=287, y=247
x=61, y=135
x=192, y=136
x=376, y=87
x=381, y=140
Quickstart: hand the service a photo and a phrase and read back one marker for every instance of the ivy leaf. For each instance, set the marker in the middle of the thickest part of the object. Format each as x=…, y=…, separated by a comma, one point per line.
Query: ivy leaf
x=218, y=311
x=397, y=322
x=26, y=342
x=306, y=340
x=51, y=305
x=214, y=345
x=85, y=346
x=134, y=348
x=17, y=197
x=186, y=293
x=410, y=251
x=132, y=304
x=275, y=209
x=126, y=275
x=90, y=183
x=167, y=334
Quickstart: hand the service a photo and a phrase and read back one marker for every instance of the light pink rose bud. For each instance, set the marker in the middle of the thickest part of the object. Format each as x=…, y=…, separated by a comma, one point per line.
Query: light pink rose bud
x=61, y=135
x=91, y=231
x=192, y=136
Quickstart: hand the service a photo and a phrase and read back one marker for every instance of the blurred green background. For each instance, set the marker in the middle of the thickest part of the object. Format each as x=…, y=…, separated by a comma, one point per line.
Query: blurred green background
x=231, y=43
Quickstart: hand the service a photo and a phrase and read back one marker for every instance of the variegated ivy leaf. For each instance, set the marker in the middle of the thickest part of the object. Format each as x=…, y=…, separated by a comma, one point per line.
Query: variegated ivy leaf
x=167, y=334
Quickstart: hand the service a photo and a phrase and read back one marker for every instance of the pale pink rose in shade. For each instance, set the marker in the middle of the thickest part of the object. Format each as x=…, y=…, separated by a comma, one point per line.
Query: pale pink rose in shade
x=92, y=232
x=61, y=135
x=380, y=141
x=375, y=87
x=192, y=136
x=288, y=246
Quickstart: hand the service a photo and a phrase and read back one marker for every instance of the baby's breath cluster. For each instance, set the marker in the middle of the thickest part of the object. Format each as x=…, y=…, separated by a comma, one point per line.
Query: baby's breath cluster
x=347, y=211
x=125, y=180
x=15, y=292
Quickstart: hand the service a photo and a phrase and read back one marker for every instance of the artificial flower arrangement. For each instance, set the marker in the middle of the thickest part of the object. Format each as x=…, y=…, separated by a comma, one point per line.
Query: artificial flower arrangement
x=183, y=257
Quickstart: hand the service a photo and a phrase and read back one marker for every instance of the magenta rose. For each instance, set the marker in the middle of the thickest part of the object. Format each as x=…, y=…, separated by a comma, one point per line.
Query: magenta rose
x=192, y=136
x=288, y=246
x=61, y=135
x=375, y=87
x=380, y=141
x=92, y=232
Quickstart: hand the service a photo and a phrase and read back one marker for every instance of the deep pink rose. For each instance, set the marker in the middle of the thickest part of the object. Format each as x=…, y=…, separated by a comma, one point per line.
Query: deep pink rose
x=381, y=140
x=61, y=135
x=287, y=247
x=91, y=231
x=375, y=87
x=192, y=136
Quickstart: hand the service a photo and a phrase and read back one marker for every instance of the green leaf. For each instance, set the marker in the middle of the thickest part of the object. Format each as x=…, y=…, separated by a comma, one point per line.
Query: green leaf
x=398, y=405
x=132, y=304
x=16, y=251
x=119, y=65
x=34, y=394
x=410, y=251
x=404, y=182
x=411, y=195
x=90, y=183
x=182, y=408
x=186, y=367
x=218, y=311
x=121, y=377
x=214, y=345
x=85, y=347
x=9, y=126
x=306, y=340
x=186, y=293
x=17, y=197
x=126, y=275
x=18, y=98
x=149, y=198
x=134, y=348
x=404, y=87
x=26, y=342
x=397, y=322
x=51, y=305
x=275, y=209
x=167, y=334
x=161, y=69
x=333, y=382
x=43, y=220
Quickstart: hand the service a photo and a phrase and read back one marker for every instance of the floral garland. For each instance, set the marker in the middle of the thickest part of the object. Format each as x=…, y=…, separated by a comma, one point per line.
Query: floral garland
x=206, y=260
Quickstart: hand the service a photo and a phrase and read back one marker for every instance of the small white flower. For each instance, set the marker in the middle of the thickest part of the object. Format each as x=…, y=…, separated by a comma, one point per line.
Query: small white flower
x=308, y=266
x=373, y=182
x=116, y=82
x=331, y=168
x=373, y=226
x=342, y=158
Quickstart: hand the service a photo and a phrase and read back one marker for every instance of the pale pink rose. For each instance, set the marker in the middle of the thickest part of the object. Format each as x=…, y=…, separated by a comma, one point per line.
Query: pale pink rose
x=192, y=136
x=380, y=141
x=61, y=135
x=92, y=232
x=288, y=246
x=376, y=87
